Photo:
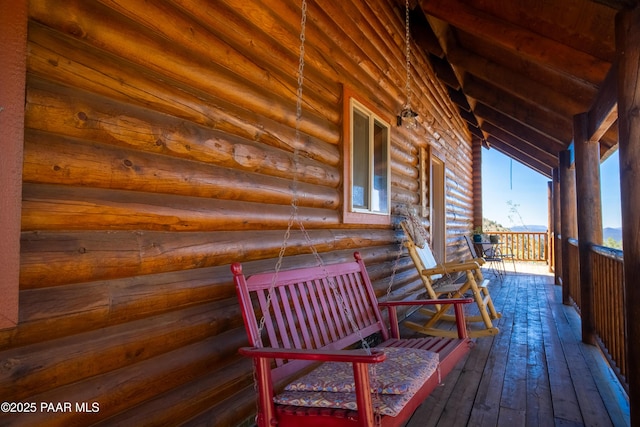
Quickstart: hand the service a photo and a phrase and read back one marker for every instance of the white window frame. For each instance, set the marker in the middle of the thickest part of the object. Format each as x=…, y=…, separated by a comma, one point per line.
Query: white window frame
x=368, y=214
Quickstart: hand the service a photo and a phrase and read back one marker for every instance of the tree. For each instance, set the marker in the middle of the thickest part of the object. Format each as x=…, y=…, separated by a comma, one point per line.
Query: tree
x=611, y=243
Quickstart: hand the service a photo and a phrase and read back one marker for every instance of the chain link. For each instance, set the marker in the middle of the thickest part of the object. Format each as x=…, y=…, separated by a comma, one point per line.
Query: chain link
x=294, y=217
x=408, y=55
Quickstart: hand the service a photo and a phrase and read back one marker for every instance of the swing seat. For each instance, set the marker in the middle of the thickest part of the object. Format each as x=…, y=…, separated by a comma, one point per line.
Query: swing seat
x=474, y=282
x=308, y=369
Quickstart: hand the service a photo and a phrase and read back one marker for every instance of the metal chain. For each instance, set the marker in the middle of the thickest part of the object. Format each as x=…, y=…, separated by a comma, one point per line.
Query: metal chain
x=408, y=55
x=294, y=185
x=294, y=217
x=394, y=268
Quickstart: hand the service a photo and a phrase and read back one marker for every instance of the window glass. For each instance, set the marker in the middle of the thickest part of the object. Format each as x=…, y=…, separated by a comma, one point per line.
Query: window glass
x=369, y=162
x=360, y=149
x=381, y=169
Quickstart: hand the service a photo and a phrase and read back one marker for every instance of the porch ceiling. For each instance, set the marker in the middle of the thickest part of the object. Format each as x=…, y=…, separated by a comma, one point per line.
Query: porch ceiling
x=519, y=70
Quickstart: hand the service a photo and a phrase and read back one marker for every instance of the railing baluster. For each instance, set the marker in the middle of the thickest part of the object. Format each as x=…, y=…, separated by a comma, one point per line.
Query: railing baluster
x=608, y=285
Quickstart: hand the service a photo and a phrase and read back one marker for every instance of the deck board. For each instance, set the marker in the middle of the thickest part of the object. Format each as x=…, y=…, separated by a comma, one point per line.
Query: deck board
x=535, y=372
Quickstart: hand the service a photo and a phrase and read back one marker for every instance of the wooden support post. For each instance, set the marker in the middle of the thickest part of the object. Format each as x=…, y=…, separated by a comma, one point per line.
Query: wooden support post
x=13, y=33
x=557, y=251
x=590, y=218
x=476, y=152
x=628, y=50
x=568, y=226
x=549, y=247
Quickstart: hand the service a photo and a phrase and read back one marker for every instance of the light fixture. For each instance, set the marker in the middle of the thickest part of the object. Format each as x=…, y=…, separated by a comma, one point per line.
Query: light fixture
x=407, y=116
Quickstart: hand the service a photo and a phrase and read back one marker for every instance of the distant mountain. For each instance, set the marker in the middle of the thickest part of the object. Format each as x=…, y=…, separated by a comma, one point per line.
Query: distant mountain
x=614, y=233
x=531, y=228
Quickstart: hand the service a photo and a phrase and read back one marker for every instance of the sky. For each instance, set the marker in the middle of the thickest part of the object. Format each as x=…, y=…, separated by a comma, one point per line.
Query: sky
x=513, y=194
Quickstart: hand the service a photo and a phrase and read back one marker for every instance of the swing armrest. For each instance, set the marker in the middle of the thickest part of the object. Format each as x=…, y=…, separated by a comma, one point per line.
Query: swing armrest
x=451, y=267
x=457, y=306
x=264, y=384
x=351, y=356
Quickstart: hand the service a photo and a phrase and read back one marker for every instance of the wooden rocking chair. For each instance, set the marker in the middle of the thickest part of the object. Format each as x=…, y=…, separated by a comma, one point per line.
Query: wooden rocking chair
x=430, y=271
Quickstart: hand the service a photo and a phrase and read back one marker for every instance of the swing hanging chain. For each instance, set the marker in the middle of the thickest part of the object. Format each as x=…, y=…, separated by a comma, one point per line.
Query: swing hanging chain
x=294, y=217
x=408, y=55
x=294, y=185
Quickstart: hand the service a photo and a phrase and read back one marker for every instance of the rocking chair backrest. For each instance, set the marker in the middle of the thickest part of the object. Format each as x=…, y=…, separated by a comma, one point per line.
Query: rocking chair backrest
x=329, y=307
x=426, y=258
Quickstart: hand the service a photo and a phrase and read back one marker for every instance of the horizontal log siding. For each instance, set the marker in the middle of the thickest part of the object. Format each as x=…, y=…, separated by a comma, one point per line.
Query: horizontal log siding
x=159, y=148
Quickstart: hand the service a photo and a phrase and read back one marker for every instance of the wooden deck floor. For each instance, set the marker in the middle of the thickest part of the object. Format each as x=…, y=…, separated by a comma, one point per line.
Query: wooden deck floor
x=535, y=372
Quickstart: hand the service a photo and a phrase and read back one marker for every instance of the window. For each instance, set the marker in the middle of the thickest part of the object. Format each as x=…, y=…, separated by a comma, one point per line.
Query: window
x=367, y=172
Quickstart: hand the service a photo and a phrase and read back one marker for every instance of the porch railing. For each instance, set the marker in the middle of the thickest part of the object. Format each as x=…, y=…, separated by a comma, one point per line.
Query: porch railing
x=609, y=308
x=525, y=246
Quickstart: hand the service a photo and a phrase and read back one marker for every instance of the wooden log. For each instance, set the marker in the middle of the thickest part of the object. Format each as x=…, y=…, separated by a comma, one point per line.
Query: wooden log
x=627, y=48
x=209, y=393
x=58, y=58
x=543, y=141
x=53, y=259
x=403, y=196
x=55, y=207
x=49, y=313
x=81, y=115
x=519, y=39
x=278, y=46
x=234, y=410
x=524, y=112
x=123, y=389
x=568, y=224
x=244, y=59
x=282, y=24
x=13, y=31
x=404, y=182
x=588, y=203
x=529, y=89
x=259, y=92
x=56, y=160
x=526, y=147
x=33, y=369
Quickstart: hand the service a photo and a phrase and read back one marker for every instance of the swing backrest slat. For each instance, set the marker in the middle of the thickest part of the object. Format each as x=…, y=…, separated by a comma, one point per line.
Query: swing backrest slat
x=328, y=307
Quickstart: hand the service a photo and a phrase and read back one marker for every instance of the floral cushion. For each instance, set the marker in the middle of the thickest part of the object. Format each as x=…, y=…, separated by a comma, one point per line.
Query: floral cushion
x=331, y=385
x=402, y=370
x=385, y=404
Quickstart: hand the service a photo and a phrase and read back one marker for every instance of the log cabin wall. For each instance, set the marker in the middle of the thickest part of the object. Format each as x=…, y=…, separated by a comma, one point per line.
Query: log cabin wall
x=158, y=149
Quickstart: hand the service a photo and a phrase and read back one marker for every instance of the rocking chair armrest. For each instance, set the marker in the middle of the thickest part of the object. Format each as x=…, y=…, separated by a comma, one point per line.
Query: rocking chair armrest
x=352, y=356
x=451, y=267
x=427, y=302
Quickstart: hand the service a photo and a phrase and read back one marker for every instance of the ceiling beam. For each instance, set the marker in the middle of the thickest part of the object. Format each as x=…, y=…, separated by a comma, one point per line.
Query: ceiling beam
x=518, y=39
x=515, y=83
x=530, y=162
x=444, y=72
x=604, y=112
x=423, y=35
x=560, y=127
x=534, y=136
x=527, y=147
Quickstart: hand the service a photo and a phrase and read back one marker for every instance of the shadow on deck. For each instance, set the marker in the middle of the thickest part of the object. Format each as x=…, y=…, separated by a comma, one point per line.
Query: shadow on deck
x=535, y=372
